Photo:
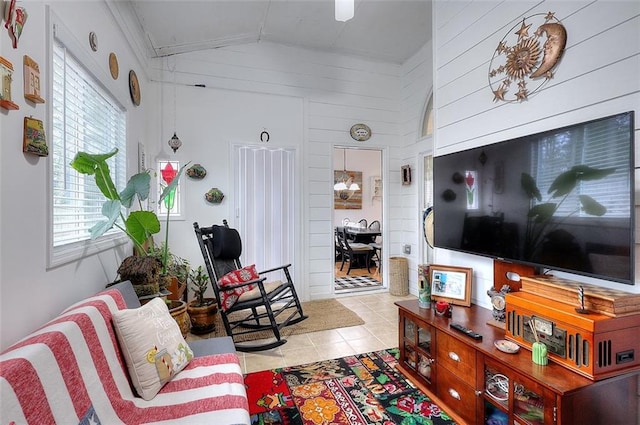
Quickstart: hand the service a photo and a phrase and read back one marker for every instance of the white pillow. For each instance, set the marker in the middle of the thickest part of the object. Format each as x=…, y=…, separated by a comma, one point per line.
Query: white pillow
x=153, y=346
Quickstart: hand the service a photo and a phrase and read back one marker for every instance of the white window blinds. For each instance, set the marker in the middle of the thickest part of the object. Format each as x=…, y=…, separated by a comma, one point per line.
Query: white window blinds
x=599, y=144
x=85, y=117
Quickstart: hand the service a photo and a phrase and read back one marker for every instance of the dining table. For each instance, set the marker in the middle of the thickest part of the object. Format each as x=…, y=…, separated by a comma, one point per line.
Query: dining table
x=360, y=235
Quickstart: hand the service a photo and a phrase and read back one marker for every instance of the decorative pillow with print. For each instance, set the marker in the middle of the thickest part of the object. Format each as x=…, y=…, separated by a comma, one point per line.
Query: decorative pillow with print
x=229, y=297
x=153, y=346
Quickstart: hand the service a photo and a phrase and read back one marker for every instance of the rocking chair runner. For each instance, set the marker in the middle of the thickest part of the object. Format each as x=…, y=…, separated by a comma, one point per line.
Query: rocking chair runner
x=257, y=309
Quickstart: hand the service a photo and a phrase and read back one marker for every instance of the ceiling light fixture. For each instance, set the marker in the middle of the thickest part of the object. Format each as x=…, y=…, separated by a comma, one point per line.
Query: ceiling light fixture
x=346, y=181
x=344, y=10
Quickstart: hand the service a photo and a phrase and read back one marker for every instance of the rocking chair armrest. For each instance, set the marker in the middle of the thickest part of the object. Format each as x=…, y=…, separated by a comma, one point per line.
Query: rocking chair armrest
x=275, y=269
x=258, y=281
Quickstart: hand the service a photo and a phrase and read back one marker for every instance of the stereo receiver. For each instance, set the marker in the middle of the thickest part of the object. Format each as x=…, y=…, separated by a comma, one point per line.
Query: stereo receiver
x=594, y=345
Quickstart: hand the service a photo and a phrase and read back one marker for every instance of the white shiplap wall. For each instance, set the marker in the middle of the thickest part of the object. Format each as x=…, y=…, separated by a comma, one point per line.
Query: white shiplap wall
x=335, y=92
x=598, y=75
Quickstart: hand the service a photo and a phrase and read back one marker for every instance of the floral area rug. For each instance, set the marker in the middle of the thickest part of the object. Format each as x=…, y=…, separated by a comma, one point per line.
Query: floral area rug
x=354, y=390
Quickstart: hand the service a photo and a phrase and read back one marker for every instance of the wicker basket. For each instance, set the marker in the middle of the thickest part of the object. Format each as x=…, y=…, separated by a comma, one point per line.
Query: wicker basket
x=399, y=276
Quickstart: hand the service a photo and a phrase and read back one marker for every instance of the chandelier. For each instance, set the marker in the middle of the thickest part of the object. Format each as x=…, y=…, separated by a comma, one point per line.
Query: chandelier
x=346, y=181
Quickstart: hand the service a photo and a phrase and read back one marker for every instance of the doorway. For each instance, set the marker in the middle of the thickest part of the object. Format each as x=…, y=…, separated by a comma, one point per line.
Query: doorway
x=357, y=220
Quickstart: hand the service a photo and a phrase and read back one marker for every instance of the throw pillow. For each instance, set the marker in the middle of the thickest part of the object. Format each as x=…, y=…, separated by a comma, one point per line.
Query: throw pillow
x=229, y=297
x=153, y=346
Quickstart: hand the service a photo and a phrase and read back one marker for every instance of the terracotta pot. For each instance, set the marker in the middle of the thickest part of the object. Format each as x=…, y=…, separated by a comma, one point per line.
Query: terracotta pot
x=203, y=319
x=178, y=310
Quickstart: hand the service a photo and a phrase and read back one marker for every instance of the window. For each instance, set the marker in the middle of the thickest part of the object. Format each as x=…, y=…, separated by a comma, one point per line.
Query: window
x=172, y=202
x=427, y=119
x=85, y=117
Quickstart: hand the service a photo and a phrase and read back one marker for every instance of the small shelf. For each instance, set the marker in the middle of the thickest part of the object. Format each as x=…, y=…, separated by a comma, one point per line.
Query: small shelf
x=9, y=105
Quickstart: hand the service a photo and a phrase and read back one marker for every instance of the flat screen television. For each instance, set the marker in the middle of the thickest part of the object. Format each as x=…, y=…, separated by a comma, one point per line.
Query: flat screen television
x=559, y=200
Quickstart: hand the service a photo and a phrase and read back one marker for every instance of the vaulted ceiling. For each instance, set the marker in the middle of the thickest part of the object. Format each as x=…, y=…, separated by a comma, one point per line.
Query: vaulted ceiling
x=383, y=30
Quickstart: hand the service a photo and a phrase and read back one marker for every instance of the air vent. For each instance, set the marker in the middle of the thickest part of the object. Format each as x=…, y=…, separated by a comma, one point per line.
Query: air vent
x=579, y=350
x=604, y=353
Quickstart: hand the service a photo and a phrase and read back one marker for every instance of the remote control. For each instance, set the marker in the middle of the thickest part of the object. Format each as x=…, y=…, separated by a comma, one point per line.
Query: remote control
x=466, y=331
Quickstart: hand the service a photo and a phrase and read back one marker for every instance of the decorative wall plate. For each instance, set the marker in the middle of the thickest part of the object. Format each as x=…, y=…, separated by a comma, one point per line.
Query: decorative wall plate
x=134, y=88
x=113, y=66
x=196, y=171
x=93, y=41
x=214, y=196
x=360, y=132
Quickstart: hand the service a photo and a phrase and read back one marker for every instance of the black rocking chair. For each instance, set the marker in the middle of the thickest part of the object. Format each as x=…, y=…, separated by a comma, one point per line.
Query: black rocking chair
x=268, y=306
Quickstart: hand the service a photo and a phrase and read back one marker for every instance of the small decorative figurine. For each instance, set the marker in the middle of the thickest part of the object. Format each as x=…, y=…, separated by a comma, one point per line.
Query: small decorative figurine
x=498, y=302
x=581, y=309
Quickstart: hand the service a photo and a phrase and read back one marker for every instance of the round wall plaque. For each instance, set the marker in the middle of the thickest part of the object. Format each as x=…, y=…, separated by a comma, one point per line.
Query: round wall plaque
x=134, y=88
x=360, y=132
x=113, y=66
x=93, y=41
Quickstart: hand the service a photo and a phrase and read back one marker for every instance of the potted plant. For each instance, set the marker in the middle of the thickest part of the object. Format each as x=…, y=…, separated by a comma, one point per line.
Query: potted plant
x=201, y=310
x=143, y=269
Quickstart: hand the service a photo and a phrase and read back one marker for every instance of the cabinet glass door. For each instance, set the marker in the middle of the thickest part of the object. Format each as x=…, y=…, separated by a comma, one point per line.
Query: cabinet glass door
x=496, y=387
x=528, y=405
x=425, y=355
x=410, y=355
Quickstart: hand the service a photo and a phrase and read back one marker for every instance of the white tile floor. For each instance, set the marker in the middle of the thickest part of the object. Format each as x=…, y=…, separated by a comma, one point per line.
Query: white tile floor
x=379, y=331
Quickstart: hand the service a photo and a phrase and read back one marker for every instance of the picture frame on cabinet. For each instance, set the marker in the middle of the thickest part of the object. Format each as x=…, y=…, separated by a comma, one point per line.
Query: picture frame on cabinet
x=451, y=284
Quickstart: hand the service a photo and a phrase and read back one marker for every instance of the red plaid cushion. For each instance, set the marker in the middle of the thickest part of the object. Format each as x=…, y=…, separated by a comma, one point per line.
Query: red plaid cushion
x=229, y=297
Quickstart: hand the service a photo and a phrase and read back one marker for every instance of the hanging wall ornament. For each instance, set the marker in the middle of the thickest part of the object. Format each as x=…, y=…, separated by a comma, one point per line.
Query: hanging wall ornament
x=523, y=62
x=214, y=196
x=15, y=18
x=196, y=171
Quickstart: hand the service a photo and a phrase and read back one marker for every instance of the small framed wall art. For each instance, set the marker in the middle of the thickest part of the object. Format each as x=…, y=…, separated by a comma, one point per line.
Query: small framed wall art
x=34, y=141
x=451, y=284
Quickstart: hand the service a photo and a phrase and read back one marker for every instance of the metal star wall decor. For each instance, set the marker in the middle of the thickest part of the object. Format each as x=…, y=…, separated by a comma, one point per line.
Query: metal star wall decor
x=519, y=62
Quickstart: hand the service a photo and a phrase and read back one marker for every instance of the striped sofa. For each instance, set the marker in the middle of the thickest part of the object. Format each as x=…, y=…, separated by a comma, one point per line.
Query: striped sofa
x=72, y=371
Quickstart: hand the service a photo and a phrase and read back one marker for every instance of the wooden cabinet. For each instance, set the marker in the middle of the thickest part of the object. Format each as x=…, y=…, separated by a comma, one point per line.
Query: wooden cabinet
x=479, y=384
x=417, y=349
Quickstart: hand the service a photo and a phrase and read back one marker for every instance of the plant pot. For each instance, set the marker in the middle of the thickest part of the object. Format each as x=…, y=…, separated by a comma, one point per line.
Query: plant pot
x=178, y=310
x=203, y=318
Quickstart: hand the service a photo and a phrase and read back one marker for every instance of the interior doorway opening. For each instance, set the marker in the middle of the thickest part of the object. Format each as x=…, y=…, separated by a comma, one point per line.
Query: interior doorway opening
x=357, y=220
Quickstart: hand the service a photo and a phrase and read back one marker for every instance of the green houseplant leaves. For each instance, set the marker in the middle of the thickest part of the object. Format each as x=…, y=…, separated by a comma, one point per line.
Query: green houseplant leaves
x=540, y=216
x=139, y=225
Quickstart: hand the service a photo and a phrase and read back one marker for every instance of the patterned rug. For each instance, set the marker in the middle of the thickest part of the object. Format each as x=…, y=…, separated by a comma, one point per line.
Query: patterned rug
x=356, y=282
x=354, y=390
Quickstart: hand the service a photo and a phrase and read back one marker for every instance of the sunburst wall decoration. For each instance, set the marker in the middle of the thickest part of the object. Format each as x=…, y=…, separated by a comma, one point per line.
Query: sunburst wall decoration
x=520, y=62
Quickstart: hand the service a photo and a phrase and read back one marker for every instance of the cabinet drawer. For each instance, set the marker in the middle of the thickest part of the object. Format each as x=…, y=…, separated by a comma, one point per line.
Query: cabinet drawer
x=457, y=356
x=457, y=395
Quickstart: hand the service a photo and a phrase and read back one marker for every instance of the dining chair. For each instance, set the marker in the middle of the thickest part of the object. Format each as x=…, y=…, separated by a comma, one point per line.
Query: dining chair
x=353, y=252
x=363, y=223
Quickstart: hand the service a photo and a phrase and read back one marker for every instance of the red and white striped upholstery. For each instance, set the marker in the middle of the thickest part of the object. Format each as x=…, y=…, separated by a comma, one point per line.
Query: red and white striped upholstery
x=71, y=371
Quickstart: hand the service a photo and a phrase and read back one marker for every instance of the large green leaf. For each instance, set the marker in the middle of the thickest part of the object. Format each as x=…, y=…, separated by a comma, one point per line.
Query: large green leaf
x=591, y=206
x=529, y=185
x=584, y=172
x=139, y=184
x=172, y=185
x=111, y=210
x=95, y=164
x=567, y=181
x=141, y=225
x=563, y=184
x=542, y=212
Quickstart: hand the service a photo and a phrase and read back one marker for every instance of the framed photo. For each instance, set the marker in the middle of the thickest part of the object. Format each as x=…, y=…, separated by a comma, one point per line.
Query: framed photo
x=451, y=284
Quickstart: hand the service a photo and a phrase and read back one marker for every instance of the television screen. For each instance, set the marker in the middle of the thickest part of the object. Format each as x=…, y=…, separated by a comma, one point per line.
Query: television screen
x=561, y=199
